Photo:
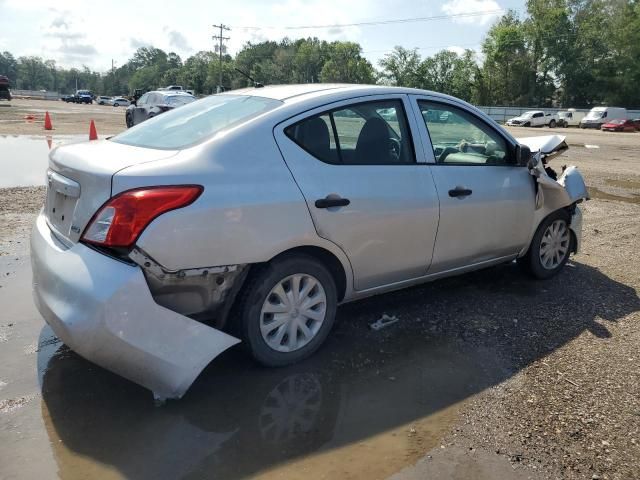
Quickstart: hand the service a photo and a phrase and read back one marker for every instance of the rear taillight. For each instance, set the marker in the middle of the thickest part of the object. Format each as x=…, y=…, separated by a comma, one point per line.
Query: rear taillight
x=121, y=220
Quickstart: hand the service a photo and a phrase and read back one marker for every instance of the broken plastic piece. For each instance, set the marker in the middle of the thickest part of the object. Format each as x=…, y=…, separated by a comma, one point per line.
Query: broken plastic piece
x=383, y=322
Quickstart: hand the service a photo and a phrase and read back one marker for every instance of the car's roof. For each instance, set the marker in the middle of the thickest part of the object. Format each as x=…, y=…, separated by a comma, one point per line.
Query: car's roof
x=311, y=90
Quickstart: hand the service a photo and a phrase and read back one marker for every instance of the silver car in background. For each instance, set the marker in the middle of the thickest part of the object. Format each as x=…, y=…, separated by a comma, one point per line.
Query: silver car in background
x=249, y=216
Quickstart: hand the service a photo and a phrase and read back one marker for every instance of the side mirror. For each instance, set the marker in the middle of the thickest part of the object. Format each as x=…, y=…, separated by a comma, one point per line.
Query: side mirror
x=523, y=155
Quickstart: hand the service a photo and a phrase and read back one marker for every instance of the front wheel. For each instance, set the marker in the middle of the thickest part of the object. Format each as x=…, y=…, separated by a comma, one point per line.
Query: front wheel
x=550, y=247
x=552, y=124
x=287, y=310
x=128, y=121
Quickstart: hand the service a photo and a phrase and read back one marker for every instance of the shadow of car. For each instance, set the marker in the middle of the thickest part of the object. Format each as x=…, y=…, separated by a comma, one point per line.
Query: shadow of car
x=456, y=337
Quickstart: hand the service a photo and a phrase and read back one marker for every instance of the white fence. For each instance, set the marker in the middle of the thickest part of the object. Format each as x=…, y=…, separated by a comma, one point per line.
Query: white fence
x=35, y=94
x=502, y=114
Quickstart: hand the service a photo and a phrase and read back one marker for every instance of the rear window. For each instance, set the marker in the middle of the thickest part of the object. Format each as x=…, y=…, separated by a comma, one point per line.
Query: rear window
x=193, y=123
x=177, y=100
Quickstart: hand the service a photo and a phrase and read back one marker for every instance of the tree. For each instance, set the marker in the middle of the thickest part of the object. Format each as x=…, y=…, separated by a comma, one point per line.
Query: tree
x=401, y=67
x=8, y=66
x=346, y=65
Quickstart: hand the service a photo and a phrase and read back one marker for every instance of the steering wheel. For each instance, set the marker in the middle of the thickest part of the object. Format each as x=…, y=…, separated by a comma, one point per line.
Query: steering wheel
x=394, y=148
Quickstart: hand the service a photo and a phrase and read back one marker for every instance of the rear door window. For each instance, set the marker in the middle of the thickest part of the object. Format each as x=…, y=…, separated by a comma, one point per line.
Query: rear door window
x=370, y=133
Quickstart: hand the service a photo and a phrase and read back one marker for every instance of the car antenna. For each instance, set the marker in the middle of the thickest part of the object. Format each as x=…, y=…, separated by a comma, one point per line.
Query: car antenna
x=255, y=84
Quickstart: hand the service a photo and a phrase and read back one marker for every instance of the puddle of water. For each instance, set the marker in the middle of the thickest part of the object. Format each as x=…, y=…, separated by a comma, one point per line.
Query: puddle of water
x=599, y=194
x=24, y=159
x=353, y=411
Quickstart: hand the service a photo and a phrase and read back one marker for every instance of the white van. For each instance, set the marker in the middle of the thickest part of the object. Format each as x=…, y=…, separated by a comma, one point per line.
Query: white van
x=570, y=118
x=599, y=115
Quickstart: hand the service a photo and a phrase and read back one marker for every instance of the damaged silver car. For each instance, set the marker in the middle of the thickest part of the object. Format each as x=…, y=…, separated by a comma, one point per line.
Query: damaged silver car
x=251, y=215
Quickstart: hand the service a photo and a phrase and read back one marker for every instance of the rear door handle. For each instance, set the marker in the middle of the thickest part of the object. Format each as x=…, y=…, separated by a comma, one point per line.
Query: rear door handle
x=460, y=192
x=328, y=202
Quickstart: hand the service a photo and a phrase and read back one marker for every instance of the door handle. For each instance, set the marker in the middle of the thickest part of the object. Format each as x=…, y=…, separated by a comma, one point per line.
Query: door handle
x=328, y=202
x=460, y=192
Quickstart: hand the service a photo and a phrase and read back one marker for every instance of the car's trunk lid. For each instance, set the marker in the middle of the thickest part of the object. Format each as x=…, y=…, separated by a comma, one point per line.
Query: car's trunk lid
x=79, y=181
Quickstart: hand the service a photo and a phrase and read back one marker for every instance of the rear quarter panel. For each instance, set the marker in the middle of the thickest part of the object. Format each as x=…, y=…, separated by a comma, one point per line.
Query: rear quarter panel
x=250, y=211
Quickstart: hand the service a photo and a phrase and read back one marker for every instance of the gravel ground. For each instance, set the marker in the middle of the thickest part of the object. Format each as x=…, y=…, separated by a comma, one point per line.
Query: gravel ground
x=570, y=405
x=575, y=411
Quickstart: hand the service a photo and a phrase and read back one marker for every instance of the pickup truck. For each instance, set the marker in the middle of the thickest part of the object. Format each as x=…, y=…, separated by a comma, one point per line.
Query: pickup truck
x=534, y=118
x=81, y=96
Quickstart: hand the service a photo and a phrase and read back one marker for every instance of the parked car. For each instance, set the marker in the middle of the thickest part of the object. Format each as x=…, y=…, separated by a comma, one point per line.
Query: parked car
x=619, y=125
x=570, y=118
x=103, y=100
x=5, y=92
x=154, y=103
x=278, y=204
x=598, y=116
x=121, y=102
x=534, y=118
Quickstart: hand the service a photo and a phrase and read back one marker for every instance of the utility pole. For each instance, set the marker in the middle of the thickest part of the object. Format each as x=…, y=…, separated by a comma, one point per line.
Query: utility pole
x=221, y=39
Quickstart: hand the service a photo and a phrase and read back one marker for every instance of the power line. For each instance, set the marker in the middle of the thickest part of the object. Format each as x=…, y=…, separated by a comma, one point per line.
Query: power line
x=221, y=39
x=379, y=22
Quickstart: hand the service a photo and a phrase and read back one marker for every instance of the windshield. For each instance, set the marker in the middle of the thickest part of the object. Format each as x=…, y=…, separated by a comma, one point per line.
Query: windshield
x=617, y=121
x=195, y=122
x=177, y=100
x=593, y=114
x=564, y=114
x=527, y=114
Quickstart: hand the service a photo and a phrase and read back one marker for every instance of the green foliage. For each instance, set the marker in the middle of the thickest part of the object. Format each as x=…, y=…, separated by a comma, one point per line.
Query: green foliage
x=562, y=52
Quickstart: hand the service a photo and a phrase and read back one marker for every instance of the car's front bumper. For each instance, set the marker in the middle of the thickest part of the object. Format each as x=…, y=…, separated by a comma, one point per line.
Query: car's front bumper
x=103, y=310
x=576, y=228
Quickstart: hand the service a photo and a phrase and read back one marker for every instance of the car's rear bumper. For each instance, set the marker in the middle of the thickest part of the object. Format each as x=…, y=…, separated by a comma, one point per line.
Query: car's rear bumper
x=103, y=310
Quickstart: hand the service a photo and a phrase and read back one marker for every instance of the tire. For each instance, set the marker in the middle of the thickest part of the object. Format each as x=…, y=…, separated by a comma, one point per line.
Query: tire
x=552, y=124
x=532, y=262
x=127, y=120
x=274, y=348
x=528, y=124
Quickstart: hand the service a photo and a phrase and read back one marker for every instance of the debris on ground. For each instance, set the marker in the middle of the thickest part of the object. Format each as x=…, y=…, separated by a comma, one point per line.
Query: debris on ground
x=383, y=322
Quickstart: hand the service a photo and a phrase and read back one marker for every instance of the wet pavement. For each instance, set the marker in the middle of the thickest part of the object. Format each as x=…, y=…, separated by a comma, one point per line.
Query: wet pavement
x=362, y=407
x=367, y=405
x=24, y=158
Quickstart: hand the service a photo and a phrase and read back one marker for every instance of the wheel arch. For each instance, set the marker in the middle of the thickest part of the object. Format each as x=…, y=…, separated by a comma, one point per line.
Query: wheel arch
x=327, y=258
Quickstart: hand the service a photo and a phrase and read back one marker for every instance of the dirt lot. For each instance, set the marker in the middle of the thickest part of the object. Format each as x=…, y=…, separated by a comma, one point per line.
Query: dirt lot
x=487, y=375
x=67, y=118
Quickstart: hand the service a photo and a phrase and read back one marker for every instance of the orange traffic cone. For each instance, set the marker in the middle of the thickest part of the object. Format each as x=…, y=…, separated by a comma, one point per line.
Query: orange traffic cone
x=93, y=134
x=47, y=122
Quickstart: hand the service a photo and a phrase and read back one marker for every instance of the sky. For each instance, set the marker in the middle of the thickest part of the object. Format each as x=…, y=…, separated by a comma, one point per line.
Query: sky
x=76, y=33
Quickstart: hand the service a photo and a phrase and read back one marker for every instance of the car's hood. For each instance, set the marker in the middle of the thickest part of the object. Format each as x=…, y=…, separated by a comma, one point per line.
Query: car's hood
x=547, y=145
x=518, y=119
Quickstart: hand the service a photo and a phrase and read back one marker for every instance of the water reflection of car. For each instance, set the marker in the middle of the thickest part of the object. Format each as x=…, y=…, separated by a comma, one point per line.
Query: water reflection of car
x=120, y=102
x=154, y=103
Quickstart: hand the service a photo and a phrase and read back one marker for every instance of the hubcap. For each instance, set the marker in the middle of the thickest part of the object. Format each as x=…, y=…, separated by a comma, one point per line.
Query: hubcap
x=293, y=312
x=554, y=244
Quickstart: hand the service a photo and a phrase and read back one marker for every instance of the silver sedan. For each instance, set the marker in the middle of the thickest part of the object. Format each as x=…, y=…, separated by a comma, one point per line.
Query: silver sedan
x=251, y=215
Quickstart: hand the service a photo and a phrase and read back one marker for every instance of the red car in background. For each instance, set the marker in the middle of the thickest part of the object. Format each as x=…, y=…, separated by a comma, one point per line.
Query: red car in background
x=620, y=125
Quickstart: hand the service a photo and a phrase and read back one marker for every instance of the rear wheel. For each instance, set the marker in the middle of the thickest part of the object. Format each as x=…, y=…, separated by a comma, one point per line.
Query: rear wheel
x=552, y=124
x=550, y=247
x=287, y=310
